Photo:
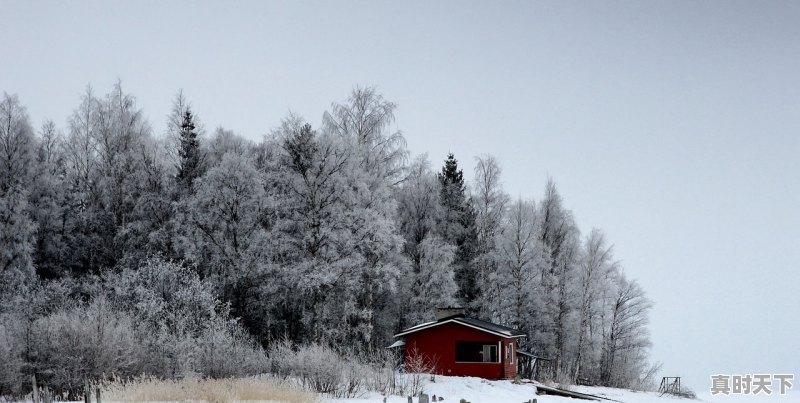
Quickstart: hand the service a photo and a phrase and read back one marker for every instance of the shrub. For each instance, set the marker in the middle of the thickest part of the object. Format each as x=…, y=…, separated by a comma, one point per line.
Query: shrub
x=319, y=368
x=418, y=367
x=226, y=350
x=84, y=342
x=382, y=376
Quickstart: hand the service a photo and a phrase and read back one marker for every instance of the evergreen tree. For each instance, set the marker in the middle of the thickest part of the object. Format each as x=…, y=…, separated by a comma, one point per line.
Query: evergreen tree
x=458, y=228
x=190, y=160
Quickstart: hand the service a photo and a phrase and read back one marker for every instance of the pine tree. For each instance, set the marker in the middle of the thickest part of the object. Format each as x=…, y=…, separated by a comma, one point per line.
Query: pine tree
x=190, y=163
x=458, y=227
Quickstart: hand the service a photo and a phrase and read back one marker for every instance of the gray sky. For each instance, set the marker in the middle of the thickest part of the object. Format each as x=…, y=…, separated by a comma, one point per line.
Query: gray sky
x=673, y=126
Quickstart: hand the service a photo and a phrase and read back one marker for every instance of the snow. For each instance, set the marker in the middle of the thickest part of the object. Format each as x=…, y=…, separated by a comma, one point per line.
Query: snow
x=477, y=390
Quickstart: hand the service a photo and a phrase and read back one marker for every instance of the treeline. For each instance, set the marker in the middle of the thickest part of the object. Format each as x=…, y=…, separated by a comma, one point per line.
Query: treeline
x=125, y=252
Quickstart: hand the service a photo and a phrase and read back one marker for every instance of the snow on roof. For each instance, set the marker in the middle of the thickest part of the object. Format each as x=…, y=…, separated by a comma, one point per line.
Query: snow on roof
x=398, y=343
x=420, y=326
x=489, y=327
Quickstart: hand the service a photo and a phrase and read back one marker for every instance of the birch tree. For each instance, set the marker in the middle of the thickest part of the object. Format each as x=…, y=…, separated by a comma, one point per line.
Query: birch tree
x=521, y=260
x=313, y=199
x=429, y=283
x=559, y=235
x=625, y=340
x=490, y=202
x=224, y=231
x=596, y=274
x=365, y=120
x=362, y=124
x=17, y=229
x=48, y=199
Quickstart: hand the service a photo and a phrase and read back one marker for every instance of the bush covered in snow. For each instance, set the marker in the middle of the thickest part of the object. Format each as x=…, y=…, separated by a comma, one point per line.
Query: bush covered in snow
x=319, y=368
x=322, y=369
x=159, y=320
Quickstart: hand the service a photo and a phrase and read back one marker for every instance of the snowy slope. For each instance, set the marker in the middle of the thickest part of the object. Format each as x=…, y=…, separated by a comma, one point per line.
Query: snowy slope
x=477, y=390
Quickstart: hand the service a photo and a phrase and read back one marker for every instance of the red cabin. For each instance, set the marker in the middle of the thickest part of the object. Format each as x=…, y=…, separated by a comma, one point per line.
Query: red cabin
x=460, y=346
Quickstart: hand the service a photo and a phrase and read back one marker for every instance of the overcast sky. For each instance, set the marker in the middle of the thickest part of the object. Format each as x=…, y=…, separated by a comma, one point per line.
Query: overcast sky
x=672, y=126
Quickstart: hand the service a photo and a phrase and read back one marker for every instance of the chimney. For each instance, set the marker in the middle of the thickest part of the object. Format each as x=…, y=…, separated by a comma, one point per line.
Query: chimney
x=449, y=312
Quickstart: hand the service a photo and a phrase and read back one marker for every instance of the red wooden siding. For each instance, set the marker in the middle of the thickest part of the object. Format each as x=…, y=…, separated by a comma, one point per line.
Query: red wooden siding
x=439, y=344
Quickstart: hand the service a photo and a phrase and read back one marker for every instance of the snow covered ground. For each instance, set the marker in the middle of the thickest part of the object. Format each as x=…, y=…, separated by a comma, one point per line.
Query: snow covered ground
x=477, y=390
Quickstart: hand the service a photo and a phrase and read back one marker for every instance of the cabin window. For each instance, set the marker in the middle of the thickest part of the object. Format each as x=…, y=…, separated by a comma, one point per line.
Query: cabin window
x=476, y=351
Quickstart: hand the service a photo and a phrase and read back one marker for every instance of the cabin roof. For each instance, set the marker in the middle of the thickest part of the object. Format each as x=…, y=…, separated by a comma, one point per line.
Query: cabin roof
x=482, y=325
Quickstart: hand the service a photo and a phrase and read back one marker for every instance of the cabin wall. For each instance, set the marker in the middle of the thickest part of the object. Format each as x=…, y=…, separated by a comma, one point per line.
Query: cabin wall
x=510, y=365
x=438, y=344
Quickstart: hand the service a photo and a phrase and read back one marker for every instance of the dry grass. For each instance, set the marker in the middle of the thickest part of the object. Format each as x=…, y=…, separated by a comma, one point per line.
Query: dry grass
x=204, y=390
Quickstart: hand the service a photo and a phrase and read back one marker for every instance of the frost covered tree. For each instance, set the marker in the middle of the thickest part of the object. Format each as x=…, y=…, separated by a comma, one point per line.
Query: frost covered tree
x=429, y=282
x=596, y=273
x=121, y=133
x=559, y=234
x=520, y=263
x=17, y=144
x=149, y=230
x=83, y=218
x=364, y=121
x=223, y=228
x=625, y=335
x=223, y=231
x=104, y=166
x=419, y=211
x=434, y=285
x=490, y=202
x=317, y=188
x=378, y=163
x=313, y=198
x=48, y=201
x=222, y=142
x=17, y=229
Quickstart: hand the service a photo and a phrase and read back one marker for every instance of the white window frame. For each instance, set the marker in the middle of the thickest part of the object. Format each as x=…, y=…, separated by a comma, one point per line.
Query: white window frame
x=498, y=352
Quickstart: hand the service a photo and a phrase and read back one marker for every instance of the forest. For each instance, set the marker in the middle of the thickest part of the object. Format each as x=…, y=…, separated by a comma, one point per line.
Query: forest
x=198, y=252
